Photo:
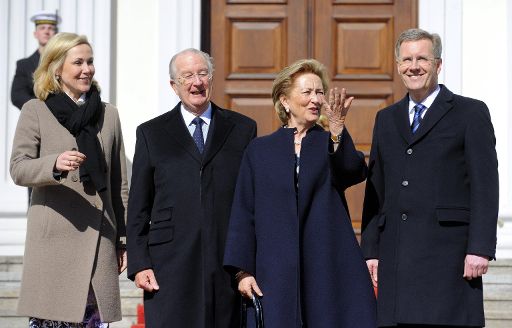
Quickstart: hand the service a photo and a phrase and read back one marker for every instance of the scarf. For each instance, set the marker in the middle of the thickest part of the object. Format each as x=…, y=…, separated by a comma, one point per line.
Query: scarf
x=81, y=121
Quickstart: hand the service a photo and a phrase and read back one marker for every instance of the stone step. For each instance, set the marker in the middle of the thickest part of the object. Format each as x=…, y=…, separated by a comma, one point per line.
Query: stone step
x=9, y=293
x=498, y=309
x=498, y=323
x=497, y=295
x=11, y=263
x=498, y=292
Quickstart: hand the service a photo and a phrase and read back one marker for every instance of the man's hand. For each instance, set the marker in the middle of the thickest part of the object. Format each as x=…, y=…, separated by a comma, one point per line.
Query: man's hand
x=373, y=265
x=475, y=266
x=146, y=280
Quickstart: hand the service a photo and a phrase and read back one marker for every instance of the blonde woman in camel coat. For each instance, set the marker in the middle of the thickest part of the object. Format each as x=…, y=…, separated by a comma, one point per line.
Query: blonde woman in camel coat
x=74, y=247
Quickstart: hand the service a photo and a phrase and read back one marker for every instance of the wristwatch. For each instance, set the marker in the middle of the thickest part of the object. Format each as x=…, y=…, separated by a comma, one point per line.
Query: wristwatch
x=336, y=138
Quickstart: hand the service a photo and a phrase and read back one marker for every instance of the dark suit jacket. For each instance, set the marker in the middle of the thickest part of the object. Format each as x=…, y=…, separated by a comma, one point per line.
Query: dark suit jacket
x=431, y=198
x=178, y=213
x=22, y=89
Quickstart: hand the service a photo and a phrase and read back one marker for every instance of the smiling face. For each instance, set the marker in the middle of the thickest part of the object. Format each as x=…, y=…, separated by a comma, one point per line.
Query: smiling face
x=418, y=68
x=304, y=101
x=78, y=70
x=193, y=83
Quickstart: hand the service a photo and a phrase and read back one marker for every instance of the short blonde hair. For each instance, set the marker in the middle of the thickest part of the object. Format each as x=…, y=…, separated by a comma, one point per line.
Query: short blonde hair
x=52, y=60
x=285, y=79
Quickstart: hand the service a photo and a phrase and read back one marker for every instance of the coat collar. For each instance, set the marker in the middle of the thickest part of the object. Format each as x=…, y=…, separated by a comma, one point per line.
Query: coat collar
x=34, y=58
x=219, y=130
x=218, y=133
x=441, y=105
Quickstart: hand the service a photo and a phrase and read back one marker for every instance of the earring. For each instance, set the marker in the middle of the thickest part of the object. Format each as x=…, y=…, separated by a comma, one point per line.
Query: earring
x=57, y=77
x=287, y=109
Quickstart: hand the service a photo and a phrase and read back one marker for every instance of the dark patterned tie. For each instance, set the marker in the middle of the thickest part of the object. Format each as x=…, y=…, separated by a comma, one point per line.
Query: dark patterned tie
x=198, y=134
x=418, y=110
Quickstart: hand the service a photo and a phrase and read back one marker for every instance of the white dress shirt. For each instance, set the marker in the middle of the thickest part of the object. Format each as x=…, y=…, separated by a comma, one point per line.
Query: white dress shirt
x=427, y=102
x=188, y=117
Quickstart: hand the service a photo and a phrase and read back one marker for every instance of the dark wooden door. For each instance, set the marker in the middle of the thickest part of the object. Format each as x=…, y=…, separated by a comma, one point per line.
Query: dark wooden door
x=251, y=41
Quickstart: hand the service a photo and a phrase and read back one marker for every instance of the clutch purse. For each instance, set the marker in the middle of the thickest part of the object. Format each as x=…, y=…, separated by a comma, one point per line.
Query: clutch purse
x=258, y=311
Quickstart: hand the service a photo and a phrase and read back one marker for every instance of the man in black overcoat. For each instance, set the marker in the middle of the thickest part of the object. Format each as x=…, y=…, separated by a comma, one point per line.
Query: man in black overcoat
x=431, y=203
x=184, y=174
x=22, y=89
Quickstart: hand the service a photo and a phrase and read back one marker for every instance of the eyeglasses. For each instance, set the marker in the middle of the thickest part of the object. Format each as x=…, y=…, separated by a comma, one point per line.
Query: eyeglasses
x=188, y=78
x=421, y=61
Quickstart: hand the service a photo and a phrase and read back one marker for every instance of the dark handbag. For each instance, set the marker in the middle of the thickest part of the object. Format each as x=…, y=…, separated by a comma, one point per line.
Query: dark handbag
x=258, y=311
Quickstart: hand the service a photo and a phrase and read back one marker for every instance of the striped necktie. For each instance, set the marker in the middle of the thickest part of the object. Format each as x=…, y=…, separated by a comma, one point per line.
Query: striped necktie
x=418, y=110
x=198, y=134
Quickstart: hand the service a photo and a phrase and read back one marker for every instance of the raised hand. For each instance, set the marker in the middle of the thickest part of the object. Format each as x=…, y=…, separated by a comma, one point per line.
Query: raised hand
x=336, y=109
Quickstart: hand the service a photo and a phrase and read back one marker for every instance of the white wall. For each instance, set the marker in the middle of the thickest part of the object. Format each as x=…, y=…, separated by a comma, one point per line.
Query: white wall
x=133, y=42
x=477, y=63
x=149, y=33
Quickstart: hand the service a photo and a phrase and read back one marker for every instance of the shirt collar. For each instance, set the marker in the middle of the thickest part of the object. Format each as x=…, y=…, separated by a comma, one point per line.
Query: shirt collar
x=427, y=102
x=80, y=101
x=188, y=116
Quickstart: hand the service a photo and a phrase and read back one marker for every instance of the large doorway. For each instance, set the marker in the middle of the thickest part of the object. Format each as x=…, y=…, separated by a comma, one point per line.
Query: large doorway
x=251, y=41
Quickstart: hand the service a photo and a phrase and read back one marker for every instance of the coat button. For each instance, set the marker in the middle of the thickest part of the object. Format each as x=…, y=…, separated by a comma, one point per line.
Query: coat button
x=404, y=217
x=409, y=151
x=74, y=178
x=405, y=183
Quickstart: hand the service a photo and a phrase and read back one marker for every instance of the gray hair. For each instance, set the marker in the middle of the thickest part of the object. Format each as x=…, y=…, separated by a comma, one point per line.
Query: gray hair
x=207, y=58
x=416, y=34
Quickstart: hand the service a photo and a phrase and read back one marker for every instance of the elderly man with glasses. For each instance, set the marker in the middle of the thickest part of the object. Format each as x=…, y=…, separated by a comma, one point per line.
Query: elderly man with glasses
x=184, y=174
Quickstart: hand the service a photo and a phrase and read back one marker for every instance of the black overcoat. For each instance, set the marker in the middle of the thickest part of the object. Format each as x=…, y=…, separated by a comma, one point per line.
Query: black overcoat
x=431, y=199
x=178, y=214
x=301, y=248
x=22, y=89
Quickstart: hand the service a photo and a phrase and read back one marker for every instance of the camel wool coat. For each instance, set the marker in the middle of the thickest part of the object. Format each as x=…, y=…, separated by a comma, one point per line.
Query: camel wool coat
x=72, y=231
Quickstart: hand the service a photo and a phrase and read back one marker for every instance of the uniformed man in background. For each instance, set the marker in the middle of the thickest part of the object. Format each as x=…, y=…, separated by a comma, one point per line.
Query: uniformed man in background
x=22, y=85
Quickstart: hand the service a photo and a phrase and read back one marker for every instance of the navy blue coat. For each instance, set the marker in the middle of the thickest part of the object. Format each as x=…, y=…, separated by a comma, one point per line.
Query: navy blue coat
x=301, y=247
x=431, y=198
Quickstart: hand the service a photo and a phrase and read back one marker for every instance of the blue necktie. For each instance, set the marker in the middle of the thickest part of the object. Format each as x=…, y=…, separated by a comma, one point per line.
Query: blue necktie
x=418, y=110
x=198, y=134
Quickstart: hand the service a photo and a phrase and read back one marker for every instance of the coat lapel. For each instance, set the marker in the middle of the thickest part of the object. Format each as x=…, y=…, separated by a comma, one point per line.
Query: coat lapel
x=441, y=105
x=218, y=133
x=34, y=59
x=175, y=127
x=401, y=118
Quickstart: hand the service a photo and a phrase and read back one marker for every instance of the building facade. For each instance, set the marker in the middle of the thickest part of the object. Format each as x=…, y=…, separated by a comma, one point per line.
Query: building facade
x=134, y=40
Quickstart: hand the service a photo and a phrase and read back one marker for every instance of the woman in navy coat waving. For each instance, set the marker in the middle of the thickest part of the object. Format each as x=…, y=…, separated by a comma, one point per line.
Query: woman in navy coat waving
x=290, y=239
